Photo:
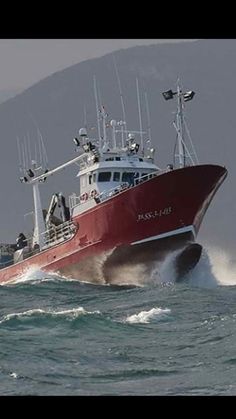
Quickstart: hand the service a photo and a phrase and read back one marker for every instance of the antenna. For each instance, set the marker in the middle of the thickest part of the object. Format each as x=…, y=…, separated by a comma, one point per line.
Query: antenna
x=139, y=111
x=23, y=157
x=43, y=150
x=26, y=153
x=97, y=110
x=29, y=150
x=40, y=150
x=43, y=158
x=121, y=95
x=148, y=118
x=85, y=116
x=19, y=154
x=35, y=152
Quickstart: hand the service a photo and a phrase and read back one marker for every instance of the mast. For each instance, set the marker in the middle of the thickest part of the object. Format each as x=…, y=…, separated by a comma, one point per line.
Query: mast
x=97, y=111
x=180, y=122
x=139, y=112
x=113, y=125
x=104, y=117
x=120, y=91
x=39, y=225
x=148, y=118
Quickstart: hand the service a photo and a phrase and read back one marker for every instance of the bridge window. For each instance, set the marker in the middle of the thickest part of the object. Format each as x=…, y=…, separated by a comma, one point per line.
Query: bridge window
x=104, y=177
x=128, y=177
x=90, y=179
x=116, y=177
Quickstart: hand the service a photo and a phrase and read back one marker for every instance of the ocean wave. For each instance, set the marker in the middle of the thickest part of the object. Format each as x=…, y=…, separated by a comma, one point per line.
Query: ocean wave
x=148, y=316
x=69, y=314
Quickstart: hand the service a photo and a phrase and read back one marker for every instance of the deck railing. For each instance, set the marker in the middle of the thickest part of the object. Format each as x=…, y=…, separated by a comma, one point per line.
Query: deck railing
x=57, y=234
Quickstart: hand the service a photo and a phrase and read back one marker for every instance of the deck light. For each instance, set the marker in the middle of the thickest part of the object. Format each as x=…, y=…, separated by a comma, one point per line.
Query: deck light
x=188, y=95
x=23, y=179
x=169, y=94
x=30, y=173
x=76, y=141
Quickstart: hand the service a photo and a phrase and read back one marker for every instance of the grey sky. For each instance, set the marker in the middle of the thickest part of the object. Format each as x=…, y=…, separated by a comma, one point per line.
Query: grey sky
x=26, y=61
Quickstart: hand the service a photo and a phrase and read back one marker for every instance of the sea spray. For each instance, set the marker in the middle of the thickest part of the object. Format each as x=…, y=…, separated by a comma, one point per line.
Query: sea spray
x=147, y=316
x=222, y=267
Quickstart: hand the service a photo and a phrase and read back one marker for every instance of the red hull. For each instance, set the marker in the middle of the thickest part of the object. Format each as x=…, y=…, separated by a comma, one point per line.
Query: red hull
x=142, y=223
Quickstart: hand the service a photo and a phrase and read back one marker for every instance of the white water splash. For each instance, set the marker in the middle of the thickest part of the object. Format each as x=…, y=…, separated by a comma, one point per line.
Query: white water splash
x=164, y=272
x=31, y=274
x=214, y=268
x=34, y=275
x=13, y=375
x=222, y=266
x=71, y=313
x=147, y=316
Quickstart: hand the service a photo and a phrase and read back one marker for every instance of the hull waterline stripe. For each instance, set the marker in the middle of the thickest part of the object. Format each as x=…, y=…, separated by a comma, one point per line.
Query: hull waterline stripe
x=170, y=233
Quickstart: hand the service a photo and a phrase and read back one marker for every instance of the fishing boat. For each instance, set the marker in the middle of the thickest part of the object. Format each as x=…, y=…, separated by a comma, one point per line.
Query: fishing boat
x=126, y=211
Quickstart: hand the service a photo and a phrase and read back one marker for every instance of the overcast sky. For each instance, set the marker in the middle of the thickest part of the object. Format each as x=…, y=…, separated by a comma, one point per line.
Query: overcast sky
x=26, y=61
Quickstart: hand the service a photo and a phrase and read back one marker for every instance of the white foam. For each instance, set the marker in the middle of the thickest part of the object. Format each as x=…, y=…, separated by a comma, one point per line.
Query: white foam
x=164, y=272
x=34, y=275
x=30, y=274
x=148, y=316
x=222, y=266
x=71, y=313
x=13, y=375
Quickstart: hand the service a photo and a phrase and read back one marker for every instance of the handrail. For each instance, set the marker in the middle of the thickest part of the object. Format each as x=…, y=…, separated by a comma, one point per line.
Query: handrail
x=58, y=234
x=52, y=236
x=113, y=191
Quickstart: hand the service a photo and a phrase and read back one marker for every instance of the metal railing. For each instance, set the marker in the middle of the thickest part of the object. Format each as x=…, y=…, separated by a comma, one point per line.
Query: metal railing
x=57, y=234
x=52, y=236
x=111, y=192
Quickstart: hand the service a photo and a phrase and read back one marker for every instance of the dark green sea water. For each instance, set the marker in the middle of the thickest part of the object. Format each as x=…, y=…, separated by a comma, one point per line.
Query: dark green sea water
x=60, y=337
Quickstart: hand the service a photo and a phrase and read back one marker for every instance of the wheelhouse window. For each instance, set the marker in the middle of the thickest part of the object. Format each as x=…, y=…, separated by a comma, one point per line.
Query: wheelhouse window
x=104, y=177
x=128, y=177
x=116, y=177
x=90, y=179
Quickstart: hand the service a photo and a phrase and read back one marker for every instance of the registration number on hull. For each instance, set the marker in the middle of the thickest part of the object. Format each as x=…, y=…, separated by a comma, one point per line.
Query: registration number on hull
x=154, y=214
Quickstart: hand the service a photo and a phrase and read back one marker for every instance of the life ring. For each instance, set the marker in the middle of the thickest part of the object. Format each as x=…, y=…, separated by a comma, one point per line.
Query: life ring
x=84, y=197
x=93, y=193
